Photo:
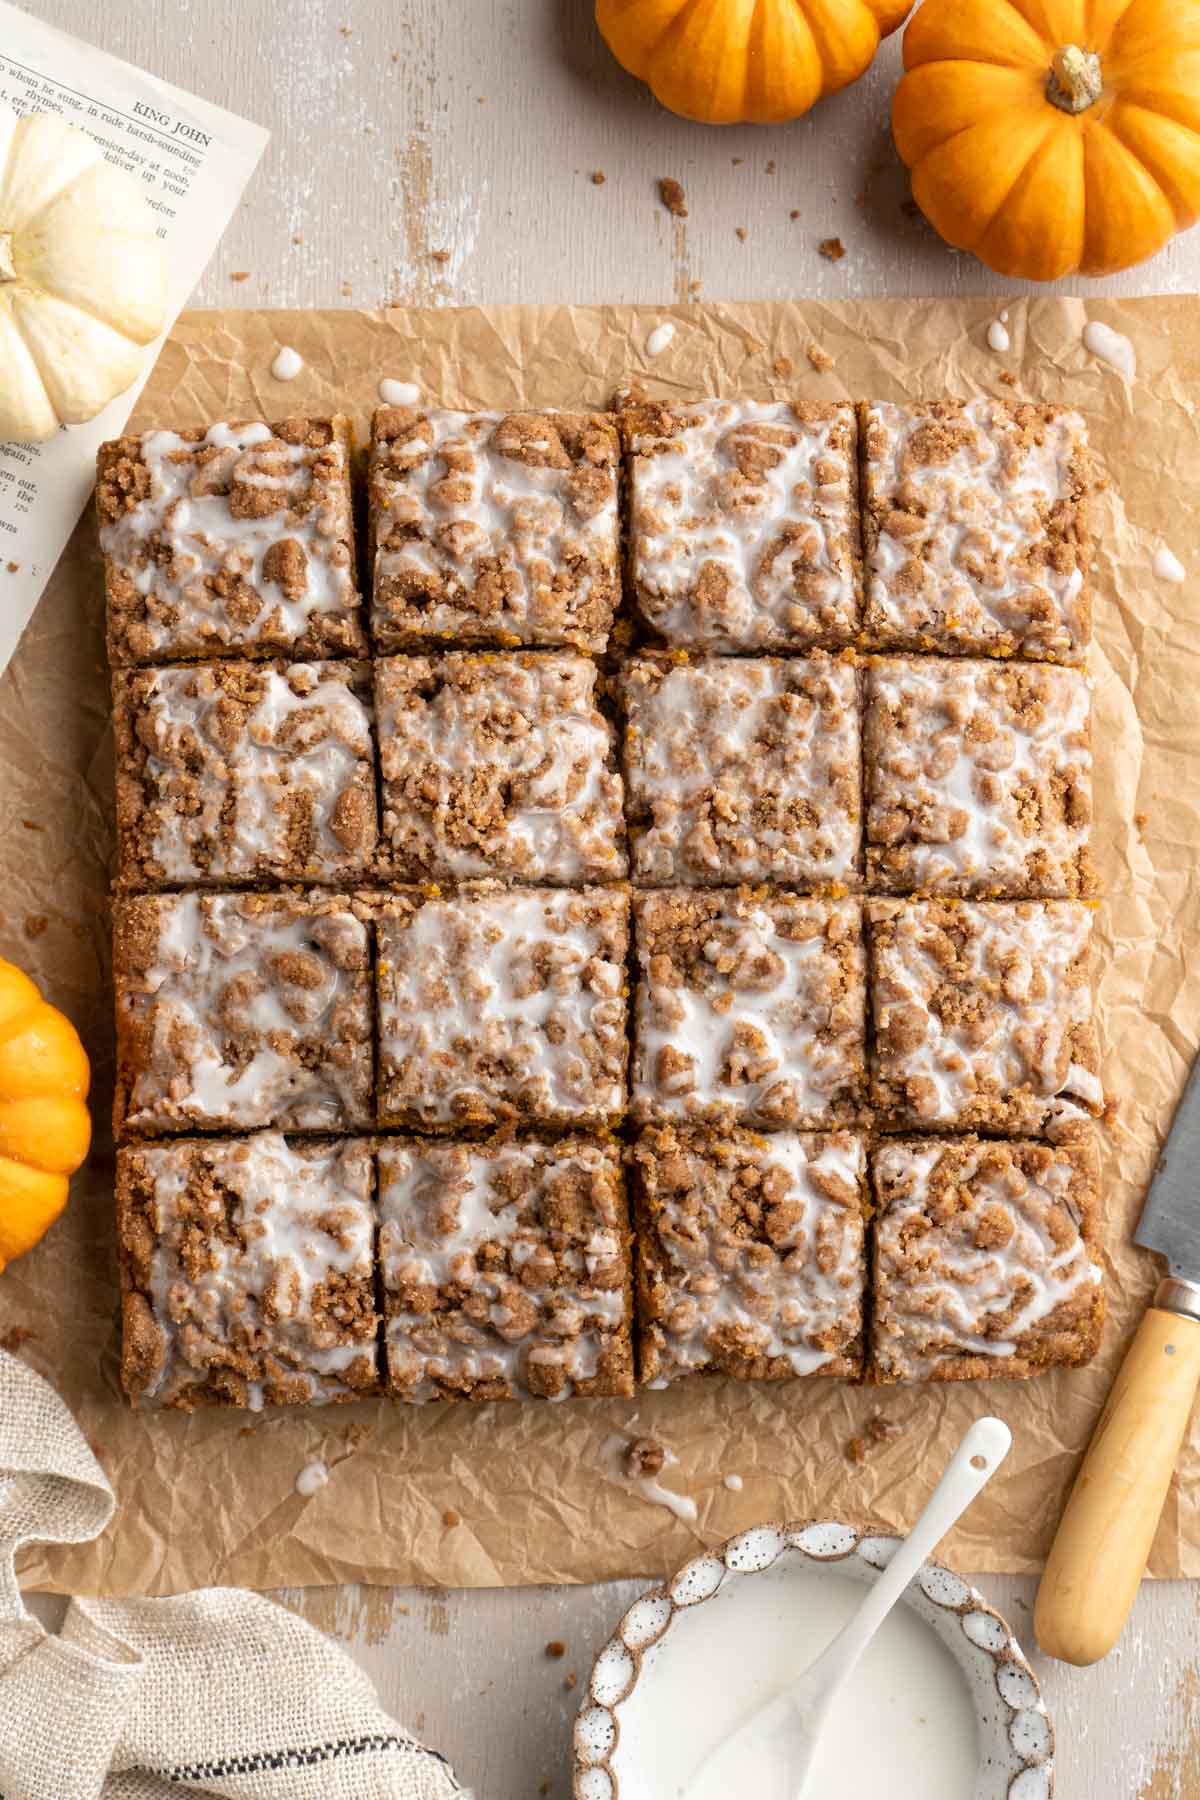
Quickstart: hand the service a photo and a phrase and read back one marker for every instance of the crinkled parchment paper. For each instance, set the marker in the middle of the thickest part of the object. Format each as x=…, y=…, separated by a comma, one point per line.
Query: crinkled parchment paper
x=211, y=1498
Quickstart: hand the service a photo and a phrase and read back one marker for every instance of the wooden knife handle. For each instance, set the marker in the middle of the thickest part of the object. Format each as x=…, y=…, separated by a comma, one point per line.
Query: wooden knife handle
x=1100, y=1552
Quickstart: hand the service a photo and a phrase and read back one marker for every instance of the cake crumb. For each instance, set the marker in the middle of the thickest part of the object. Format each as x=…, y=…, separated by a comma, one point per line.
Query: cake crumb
x=738, y=161
x=772, y=166
x=1008, y=378
x=347, y=289
x=450, y=1518
x=1141, y=820
x=32, y=825
x=35, y=924
x=403, y=1609
x=439, y=256
x=783, y=367
x=240, y=275
x=877, y=1430
x=13, y=568
x=299, y=238
x=644, y=1457
x=16, y=1335
x=598, y=178
x=671, y=193
x=556, y=1648
x=795, y=213
x=740, y=233
x=570, y=1681
x=832, y=249
x=543, y=1788
x=819, y=359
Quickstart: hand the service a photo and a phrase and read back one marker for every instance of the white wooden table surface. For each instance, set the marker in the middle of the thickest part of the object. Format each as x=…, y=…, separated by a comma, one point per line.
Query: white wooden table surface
x=431, y=151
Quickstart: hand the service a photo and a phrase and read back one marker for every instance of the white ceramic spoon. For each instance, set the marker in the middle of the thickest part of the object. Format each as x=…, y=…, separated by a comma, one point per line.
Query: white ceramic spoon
x=793, y=1720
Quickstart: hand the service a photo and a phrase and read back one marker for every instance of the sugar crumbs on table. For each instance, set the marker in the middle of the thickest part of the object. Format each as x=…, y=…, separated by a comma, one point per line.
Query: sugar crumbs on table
x=740, y=233
x=598, y=178
x=240, y=275
x=819, y=359
x=832, y=249
x=450, y=1518
x=783, y=367
x=556, y=1648
x=35, y=924
x=671, y=193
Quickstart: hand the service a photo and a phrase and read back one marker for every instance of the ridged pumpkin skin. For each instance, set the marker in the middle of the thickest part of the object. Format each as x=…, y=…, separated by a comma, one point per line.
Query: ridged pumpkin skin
x=45, y=1128
x=728, y=61
x=1000, y=163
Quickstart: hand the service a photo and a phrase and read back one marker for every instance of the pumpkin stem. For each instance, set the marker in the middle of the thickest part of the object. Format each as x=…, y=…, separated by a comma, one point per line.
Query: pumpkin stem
x=8, y=269
x=1076, y=80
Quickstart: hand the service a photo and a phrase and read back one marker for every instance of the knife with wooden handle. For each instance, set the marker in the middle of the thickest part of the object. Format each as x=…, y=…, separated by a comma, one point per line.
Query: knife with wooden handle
x=1103, y=1542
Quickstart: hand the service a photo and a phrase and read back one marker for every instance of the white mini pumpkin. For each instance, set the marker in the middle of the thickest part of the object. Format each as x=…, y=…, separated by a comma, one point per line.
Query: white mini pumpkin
x=83, y=278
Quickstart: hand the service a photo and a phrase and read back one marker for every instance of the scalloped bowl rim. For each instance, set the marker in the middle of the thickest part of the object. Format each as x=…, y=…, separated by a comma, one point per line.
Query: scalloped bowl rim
x=1016, y=1736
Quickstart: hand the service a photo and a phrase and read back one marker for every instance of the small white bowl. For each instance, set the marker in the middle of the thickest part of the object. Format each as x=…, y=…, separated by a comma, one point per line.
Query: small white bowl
x=1015, y=1736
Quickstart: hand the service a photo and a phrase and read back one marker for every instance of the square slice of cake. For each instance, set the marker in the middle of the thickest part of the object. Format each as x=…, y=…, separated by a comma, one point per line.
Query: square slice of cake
x=986, y=1260
x=975, y=529
x=242, y=1011
x=978, y=778
x=237, y=540
x=506, y=1270
x=744, y=529
x=244, y=772
x=493, y=528
x=983, y=1016
x=750, y=1254
x=743, y=769
x=497, y=765
x=502, y=1005
x=750, y=1009
x=247, y=1272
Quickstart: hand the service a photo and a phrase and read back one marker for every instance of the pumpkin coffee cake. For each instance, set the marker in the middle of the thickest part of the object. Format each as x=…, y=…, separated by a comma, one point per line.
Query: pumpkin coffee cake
x=235, y=540
x=703, y=793
x=493, y=528
x=506, y=1270
x=247, y=1271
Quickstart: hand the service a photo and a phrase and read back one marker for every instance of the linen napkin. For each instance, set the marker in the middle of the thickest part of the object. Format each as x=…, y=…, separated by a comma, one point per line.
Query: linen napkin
x=219, y=1692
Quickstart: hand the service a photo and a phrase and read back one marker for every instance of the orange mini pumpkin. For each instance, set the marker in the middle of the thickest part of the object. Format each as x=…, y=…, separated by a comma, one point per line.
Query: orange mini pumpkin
x=1053, y=137
x=45, y=1129
x=724, y=61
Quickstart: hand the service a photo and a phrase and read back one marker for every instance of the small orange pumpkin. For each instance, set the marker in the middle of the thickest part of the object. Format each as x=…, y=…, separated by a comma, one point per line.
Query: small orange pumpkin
x=724, y=61
x=45, y=1128
x=1053, y=137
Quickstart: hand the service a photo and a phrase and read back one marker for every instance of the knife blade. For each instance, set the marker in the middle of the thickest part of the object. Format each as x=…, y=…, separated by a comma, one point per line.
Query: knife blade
x=1170, y=1221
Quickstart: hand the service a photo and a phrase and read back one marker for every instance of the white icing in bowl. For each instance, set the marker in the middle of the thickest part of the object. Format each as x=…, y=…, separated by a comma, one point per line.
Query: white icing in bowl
x=943, y=1707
